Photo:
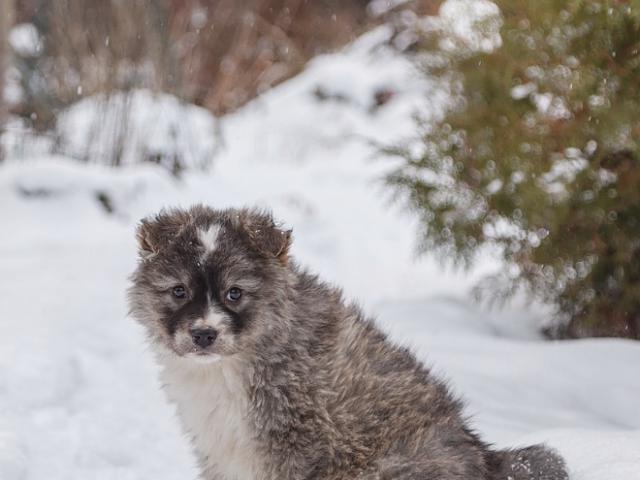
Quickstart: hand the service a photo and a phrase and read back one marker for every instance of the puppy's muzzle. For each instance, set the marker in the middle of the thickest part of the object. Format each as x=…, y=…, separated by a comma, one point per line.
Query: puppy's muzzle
x=203, y=337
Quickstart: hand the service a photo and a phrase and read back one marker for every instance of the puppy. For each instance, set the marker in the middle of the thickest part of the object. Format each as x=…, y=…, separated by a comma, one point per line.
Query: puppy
x=275, y=377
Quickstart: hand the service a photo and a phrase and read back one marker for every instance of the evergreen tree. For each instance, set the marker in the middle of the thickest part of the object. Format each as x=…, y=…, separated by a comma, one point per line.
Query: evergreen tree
x=540, y=154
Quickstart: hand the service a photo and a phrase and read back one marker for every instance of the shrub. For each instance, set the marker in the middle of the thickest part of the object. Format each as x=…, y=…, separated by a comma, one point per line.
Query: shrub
x=539, y=153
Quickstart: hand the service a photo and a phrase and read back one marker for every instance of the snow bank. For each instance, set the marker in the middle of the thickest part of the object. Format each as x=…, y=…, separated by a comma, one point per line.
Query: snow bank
x=79, y=397
x=126, y=128
x=139, y=125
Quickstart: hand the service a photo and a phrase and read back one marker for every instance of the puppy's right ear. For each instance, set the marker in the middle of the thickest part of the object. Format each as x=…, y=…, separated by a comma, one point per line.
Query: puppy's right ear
x=157, y=232
x=147, y=245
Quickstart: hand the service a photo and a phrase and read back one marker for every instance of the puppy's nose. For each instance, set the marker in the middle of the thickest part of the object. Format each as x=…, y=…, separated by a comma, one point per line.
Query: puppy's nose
x=203, y=337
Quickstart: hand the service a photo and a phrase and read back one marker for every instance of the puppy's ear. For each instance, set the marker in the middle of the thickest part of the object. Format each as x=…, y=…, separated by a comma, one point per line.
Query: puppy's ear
x=154, y=233
x=147, y=244
x=265, y=235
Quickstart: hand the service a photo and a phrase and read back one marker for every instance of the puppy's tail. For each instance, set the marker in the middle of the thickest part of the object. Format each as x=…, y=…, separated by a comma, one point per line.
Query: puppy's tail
x=532, y=463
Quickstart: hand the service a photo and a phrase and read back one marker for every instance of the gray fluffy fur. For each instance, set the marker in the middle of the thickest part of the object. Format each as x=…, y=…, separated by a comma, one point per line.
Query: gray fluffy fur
x=324, y=394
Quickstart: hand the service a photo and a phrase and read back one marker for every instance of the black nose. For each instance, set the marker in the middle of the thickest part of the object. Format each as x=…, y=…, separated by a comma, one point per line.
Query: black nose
x=203, y=337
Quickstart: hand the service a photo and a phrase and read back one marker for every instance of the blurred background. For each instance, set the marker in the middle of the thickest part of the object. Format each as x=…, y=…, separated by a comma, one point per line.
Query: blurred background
x=469, y=170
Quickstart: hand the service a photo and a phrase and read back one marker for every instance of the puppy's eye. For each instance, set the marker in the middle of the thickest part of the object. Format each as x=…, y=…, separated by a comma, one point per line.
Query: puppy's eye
x=234, y=294
x=179, y=291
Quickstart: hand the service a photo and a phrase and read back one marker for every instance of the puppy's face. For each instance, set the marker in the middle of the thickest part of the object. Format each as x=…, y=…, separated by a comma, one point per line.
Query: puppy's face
x=209, y=283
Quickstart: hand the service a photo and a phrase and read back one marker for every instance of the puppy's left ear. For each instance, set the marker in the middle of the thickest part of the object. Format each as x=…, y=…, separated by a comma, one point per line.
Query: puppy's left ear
x=265, y=235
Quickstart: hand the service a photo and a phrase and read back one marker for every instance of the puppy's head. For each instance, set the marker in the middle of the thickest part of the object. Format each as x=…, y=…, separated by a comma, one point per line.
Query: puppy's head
x=210, y=283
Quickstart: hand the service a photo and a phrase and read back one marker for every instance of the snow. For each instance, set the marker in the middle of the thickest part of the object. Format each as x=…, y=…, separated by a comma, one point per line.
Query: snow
x=25, y=40
x=79, y=396
x=473, y=24
x=377, y=8
x=137, y=124
x=523, y=91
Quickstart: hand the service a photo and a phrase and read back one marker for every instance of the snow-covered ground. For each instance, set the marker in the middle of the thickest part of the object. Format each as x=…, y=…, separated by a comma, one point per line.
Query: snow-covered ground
x=79, y=397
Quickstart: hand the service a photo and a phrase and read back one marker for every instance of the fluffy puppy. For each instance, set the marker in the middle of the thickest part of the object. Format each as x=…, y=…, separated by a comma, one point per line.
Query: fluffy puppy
x=275, y=377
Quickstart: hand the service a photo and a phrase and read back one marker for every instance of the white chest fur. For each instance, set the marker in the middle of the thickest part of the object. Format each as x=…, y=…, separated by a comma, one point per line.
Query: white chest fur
x=213, y=407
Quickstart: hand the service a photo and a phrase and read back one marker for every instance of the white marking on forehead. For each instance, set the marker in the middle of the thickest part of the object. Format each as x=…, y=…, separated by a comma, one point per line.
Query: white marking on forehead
x=209, y=238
